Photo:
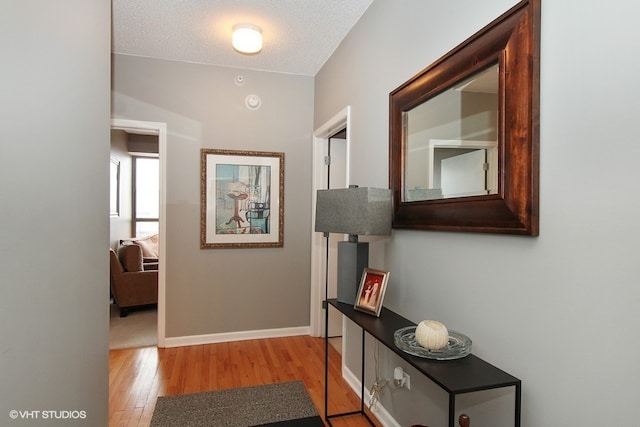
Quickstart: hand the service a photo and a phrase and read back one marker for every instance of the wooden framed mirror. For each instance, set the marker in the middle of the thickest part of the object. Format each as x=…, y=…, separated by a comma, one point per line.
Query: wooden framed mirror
x=464, y=133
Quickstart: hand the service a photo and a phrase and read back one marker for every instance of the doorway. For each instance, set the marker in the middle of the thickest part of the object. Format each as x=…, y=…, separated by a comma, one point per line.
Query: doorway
x=330, y=170
x=159, y=130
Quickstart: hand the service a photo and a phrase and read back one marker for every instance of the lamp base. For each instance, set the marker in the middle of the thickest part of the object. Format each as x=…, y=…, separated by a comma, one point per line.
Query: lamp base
x=353, y=258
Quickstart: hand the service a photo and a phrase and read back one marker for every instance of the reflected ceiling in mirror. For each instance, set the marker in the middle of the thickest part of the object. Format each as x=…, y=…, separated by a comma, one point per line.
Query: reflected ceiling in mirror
x=452, y=141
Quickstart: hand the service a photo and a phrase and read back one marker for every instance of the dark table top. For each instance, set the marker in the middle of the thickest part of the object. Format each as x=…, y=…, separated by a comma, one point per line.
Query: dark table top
x=464, y=375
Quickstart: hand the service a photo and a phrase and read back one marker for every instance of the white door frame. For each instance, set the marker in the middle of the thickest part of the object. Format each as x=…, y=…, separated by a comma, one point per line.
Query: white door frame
x=492, y=158
x=159, y=129
x=320, y=142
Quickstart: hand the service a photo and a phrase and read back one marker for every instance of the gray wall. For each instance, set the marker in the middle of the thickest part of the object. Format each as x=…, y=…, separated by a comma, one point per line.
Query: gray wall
x=226, y=290
x=54, y=121
x=559, y=311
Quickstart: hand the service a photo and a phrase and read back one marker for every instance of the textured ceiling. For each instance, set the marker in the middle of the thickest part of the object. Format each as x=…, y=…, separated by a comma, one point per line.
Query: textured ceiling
x=299, y=35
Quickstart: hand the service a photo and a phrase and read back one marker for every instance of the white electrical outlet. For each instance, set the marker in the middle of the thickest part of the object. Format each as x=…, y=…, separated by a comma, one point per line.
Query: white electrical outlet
x=401, y=378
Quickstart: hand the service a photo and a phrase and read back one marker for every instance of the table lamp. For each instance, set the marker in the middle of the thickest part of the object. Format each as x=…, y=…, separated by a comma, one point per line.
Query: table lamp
x=354, y=211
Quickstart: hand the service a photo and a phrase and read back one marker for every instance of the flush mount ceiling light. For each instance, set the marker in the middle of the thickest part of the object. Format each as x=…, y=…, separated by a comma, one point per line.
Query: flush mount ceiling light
x=247, y=38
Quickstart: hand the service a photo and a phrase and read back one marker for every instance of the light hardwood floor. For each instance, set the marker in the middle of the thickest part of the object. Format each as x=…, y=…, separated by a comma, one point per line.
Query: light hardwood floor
x=138, y=376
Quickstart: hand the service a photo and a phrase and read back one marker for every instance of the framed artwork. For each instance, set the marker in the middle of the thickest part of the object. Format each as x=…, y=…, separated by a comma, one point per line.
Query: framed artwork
x=371, y=292
x=114, y=187
x=242, y=199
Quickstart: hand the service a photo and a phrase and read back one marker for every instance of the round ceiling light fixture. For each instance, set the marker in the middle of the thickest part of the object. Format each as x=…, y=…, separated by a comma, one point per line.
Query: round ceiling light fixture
x=247, y=38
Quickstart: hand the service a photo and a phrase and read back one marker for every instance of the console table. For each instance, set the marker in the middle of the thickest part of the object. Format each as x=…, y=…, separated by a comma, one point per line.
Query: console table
x=459, y=376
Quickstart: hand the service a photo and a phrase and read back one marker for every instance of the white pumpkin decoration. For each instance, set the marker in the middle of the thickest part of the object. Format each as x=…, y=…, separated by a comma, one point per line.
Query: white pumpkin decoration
x=432, y=334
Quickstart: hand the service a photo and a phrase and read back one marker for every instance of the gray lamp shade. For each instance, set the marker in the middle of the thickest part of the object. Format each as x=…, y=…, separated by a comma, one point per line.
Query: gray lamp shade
x=359, y=211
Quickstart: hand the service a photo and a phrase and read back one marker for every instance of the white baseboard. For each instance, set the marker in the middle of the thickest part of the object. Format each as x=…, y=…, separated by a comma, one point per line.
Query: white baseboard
x=381, y=413
x=234, y=336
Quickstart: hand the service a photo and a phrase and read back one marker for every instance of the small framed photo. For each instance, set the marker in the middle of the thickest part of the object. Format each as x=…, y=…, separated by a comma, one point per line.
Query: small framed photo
x=371, y=292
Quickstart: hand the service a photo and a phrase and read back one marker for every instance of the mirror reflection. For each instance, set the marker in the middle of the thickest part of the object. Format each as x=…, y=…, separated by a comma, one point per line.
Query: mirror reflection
x=452, y=141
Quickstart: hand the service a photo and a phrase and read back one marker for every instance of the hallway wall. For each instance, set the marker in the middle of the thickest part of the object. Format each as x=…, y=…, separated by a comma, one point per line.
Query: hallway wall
x=549, y=310
x=215, y=291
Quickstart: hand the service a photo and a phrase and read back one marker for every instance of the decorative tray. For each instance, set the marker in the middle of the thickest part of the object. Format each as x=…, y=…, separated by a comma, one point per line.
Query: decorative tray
x=459, y=345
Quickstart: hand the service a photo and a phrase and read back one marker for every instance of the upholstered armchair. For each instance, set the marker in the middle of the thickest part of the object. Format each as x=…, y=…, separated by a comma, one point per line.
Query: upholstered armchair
x=131, y=285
